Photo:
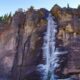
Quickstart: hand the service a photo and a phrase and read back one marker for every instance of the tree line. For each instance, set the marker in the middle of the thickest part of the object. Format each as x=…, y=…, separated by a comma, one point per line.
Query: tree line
x=5, y=18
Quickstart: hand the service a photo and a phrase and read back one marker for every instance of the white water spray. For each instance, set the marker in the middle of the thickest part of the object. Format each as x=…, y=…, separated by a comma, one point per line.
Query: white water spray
x=49, y=52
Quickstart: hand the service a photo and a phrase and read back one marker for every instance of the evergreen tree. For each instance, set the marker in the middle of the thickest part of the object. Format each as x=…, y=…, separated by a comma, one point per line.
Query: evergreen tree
x=79, y=6
x=68, y=6
x=31, y=8
x=5, y=18
x=1, y=18
x=10, y=15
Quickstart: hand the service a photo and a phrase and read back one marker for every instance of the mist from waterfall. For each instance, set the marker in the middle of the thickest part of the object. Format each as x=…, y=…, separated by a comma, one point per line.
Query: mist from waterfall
x=49, y=51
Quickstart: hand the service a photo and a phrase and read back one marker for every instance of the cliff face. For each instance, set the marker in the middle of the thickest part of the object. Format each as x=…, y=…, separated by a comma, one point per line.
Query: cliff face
x=21, y=43
x=69, y=28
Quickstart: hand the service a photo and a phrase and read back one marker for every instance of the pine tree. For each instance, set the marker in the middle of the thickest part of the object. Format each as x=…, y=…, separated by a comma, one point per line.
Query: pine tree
x=1, y=18
x=68, y=6
x=79, y=6
x=31, y=8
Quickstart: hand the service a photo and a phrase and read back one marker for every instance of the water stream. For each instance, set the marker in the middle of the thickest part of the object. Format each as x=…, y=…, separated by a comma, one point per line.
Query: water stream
x=49, y=51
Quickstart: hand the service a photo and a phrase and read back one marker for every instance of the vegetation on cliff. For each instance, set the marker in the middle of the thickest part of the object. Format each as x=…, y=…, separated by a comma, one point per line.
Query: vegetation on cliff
x=5, y=18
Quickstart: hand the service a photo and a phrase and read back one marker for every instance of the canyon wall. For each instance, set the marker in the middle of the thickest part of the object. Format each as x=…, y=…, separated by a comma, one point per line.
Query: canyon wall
x=21, y=41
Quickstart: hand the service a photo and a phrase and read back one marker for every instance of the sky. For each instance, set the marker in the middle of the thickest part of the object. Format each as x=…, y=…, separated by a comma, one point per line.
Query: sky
x=7, y=6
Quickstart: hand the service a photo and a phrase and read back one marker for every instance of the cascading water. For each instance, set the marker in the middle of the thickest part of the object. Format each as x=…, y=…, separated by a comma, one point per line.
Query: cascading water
x=49, y=52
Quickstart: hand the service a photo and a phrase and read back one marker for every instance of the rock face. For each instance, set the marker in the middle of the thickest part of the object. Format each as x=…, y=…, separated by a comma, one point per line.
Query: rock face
x=21, y=43
x=69, y=28
x=29, y=48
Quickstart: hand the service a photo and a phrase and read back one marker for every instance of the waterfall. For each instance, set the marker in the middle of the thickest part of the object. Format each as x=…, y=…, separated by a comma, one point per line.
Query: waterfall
x=49, y=51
